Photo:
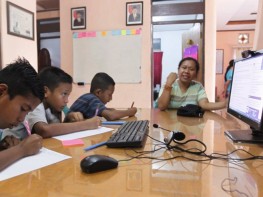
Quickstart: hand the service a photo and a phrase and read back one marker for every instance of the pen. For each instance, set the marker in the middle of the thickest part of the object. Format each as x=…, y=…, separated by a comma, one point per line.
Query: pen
x=132, y=104
x=95, y=146
x=113, y=122
x=97, y=110
x=27, y=127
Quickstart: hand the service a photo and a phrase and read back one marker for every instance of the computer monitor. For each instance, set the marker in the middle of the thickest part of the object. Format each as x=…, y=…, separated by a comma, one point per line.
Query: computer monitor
x=246, y=99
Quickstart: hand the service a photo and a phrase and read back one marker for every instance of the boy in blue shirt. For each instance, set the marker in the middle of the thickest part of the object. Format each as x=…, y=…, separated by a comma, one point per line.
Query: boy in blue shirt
x=93, y=103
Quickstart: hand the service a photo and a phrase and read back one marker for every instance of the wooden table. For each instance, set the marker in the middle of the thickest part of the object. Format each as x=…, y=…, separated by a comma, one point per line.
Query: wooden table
x=144, y=177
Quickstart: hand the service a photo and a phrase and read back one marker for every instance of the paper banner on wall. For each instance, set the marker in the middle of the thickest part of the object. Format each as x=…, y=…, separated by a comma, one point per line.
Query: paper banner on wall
x=119, y=32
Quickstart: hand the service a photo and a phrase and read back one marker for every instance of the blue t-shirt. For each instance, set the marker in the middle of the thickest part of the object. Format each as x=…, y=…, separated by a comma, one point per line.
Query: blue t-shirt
x=87, y=104
x=229, y=76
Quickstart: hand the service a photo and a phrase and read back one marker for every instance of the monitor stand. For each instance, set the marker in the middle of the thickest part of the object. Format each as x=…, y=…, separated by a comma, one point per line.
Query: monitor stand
x=245, y=136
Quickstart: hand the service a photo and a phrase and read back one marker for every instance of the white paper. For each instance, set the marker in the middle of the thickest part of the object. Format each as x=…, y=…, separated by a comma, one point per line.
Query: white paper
x=82, y=134
x=44, y=158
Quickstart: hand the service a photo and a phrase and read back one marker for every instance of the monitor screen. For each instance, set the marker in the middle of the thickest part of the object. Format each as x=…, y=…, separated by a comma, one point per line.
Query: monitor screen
x=246, y=98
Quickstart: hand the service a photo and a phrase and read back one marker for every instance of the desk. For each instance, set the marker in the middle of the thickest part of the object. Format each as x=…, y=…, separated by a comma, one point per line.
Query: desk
x=178, y=177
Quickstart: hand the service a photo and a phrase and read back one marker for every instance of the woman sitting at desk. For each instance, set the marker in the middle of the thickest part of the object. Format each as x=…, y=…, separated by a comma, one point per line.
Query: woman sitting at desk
x=181, y=89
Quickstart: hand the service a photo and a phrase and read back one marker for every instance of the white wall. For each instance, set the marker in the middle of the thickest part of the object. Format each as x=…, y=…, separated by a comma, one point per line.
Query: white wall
x=171, y=45
x=13, y=46
x=111, y=17
x=210, y=49
x=258, y=43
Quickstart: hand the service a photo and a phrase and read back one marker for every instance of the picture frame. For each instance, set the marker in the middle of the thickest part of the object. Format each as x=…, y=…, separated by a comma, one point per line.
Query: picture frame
x=219, y=61
x=20, y=22
x=134, y=13
x=78, y=18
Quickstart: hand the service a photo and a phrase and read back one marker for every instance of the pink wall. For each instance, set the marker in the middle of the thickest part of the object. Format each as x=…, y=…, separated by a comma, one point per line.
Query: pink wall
x=13, y=46
x=227, y=40
x=110, y=15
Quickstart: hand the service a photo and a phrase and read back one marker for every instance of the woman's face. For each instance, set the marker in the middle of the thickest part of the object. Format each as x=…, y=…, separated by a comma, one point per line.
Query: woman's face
x=187, y=71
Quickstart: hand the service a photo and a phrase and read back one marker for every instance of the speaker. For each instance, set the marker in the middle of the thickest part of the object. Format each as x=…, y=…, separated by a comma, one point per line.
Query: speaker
x=174, y=135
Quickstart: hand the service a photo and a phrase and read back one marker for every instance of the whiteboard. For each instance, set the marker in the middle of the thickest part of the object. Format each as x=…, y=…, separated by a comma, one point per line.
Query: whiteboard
x=117, y=53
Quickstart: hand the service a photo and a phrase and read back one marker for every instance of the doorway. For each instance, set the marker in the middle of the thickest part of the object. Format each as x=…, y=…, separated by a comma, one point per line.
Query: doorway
x=48, y=34
x=178, y=31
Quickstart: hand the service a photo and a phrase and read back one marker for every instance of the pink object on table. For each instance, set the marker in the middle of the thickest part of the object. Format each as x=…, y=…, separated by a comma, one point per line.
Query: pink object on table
x=75, y=142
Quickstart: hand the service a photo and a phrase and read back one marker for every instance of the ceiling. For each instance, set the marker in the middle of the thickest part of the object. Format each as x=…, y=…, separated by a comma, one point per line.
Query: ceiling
x=230, y=15
x=45, y=5
x=235, y=12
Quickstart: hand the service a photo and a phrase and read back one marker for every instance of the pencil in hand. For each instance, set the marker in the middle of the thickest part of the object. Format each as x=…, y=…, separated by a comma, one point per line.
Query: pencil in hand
x=97, y=110
x=27, y=127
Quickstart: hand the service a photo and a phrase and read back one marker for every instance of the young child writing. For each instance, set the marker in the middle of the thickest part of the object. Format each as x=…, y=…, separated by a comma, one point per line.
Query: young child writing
x=20, y=93
x=93, y=103
x=45, y=120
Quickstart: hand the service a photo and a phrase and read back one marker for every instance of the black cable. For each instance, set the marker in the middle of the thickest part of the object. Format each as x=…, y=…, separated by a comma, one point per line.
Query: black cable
x=234, y=190
x=199, y=152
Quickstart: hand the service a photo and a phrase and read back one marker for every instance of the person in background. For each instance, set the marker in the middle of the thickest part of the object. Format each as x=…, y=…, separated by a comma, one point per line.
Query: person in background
x=20, y=92
x=228, y=79
x=44, y=59
x=79, y=20
x=181, y=89
x=93, y=103
x=134, y=16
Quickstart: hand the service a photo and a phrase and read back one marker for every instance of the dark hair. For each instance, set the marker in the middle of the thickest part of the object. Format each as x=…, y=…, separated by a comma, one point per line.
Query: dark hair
x=21, y=79
x=230, y=65
x=197, y=66
x=53, y=76
x=79, y=12
x=101, y=81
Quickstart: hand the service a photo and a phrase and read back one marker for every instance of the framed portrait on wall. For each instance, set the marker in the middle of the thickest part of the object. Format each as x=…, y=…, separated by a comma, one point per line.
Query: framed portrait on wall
x=134, y=13
x=20, y=22
x=78, y=18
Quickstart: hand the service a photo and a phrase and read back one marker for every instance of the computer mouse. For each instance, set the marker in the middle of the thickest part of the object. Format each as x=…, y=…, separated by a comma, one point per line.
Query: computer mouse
x=97, y=163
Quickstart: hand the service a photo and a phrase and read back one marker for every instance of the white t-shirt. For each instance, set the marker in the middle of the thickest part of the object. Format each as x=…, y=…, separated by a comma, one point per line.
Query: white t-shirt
x=40, y=114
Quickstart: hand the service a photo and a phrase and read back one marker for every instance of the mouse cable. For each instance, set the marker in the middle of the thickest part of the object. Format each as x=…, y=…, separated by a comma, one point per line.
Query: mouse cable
x=140, y=154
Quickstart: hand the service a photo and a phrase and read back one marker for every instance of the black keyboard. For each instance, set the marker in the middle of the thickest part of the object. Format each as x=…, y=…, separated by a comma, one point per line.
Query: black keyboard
x=130, y=134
